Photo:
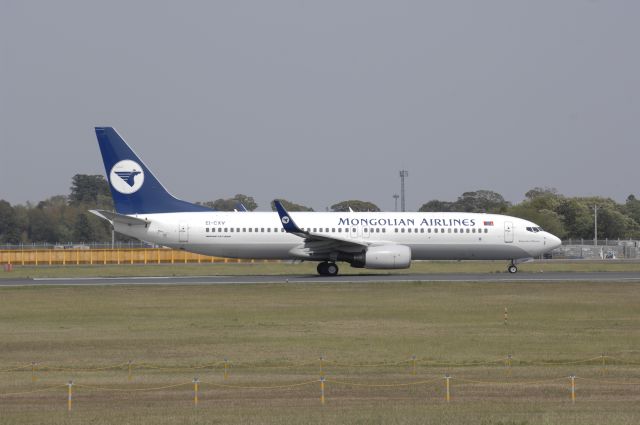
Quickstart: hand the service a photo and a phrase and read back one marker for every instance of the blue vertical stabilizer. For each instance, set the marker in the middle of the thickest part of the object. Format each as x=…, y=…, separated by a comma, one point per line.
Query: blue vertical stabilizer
x=135, y=190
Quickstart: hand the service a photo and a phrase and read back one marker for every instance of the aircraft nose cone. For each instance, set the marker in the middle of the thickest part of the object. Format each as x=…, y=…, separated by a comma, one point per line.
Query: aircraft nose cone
x=554, y=241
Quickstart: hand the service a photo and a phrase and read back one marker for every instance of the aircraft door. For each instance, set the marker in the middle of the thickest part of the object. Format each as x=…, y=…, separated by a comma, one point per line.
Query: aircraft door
x=508, y=232
x=183, y=232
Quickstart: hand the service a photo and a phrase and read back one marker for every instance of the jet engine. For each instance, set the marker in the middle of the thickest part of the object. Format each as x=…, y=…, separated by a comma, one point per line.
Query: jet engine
x=379, y=257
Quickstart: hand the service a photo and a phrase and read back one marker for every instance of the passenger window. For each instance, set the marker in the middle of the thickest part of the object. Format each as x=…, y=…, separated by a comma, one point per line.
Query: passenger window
x=339, y=229
x=231, y=229
x=429, y=230
x=402, y=230
x=435, y=230
x=207, y=230
x=226, y=230
x=333, y=230
x=486, y=230
x=396, y=229
x=409, y=230
x=455, y=230
x=449, y=230
x=384, y=230
x=244, y=230
x=220, y=229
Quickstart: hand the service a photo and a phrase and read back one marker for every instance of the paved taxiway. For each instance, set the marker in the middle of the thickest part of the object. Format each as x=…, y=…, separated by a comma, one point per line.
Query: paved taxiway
x=311, y=279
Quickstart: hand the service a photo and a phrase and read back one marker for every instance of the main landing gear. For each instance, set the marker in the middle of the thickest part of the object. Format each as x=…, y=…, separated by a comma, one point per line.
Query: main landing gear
x=327, y=269
x=512, y=267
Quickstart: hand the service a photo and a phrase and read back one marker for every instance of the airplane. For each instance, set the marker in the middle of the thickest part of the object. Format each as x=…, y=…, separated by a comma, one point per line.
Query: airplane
x=373, y=240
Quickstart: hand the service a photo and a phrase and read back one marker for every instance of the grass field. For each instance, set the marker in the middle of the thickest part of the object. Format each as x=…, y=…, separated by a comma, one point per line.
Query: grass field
x=273, y=335
x=274, y=268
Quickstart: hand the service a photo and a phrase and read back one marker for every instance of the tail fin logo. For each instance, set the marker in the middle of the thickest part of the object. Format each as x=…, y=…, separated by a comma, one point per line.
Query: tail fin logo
x=126, y=177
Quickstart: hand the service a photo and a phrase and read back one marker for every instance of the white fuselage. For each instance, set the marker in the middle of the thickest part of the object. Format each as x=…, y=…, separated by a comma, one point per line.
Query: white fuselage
x=430, y=236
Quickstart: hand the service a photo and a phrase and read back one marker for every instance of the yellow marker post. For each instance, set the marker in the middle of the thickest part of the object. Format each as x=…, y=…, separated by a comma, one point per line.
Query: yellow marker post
x=322, y=390
x=33, y=372
x=226, y=369
x=413, y=360
x=69, y=395
x=196, y=381
x=448, y=396
x=573, y=388
x=321, y=369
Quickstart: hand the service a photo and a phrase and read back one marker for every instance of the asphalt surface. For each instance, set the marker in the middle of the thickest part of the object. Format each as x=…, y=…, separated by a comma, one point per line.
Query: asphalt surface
x=311, y=279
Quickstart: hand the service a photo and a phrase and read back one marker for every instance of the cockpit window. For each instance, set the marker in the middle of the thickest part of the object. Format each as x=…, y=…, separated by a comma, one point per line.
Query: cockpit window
x=534, y=229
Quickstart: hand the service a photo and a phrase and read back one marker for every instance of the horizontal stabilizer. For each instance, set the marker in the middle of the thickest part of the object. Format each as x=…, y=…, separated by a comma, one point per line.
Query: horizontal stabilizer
x=114, y=217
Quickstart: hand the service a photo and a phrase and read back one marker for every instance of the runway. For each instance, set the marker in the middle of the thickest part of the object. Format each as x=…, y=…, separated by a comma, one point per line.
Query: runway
x=314, y=279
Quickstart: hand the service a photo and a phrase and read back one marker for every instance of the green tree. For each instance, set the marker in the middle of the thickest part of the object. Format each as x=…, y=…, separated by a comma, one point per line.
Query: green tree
x=612, y=224
x=91, y=190
x=481, y=201
x=355, y=205
x=577, y=218
x=632, y=207
x=290, y=206
x=436, y=206
x=231, y=204
x=543, y=198
x=538, y=192
x=52, y=221
x=9, y=230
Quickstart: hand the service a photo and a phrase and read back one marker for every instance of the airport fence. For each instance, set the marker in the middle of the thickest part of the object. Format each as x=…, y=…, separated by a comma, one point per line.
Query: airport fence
x=36, y=257
x=325, y=379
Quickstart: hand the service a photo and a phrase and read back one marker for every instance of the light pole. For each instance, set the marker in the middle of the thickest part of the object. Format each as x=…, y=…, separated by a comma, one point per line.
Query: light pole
x=403, y=174
x=395, y=197
x=595, y=225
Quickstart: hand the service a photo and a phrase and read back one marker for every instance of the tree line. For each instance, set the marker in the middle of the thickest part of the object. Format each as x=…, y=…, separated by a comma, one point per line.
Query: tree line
x=66, y=218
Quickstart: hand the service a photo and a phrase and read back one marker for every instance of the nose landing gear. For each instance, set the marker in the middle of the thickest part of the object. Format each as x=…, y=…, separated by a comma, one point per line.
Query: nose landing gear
x=327, y=269
x=512, y=267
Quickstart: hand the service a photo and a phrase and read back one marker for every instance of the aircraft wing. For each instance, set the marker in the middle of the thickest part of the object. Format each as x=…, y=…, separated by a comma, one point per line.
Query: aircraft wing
x=114, y=217
x=318, y=239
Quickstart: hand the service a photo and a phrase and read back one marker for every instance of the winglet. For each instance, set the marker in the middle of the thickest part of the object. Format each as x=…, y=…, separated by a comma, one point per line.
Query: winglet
x=287, y=222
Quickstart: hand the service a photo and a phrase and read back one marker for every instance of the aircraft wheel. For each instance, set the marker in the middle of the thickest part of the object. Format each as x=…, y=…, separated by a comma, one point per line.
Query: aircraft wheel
x=512, y=269
x=322, y=268
x=332, y=269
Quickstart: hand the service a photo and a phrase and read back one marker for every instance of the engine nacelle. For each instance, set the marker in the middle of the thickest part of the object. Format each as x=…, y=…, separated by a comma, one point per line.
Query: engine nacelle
x=380, y=257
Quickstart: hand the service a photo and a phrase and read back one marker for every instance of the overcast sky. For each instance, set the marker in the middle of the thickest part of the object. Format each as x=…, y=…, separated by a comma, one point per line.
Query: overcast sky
x=323, y=101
